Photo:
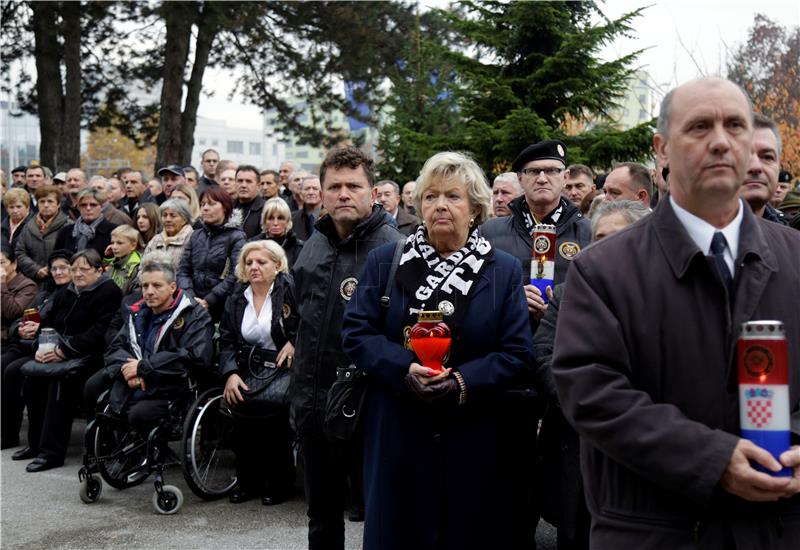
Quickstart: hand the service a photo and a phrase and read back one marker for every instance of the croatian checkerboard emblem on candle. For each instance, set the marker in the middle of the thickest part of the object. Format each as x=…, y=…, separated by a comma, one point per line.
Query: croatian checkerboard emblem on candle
x=764, y=413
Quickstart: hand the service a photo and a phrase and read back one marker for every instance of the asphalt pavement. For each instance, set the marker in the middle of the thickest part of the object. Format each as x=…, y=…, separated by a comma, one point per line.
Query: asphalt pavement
x=43, y=510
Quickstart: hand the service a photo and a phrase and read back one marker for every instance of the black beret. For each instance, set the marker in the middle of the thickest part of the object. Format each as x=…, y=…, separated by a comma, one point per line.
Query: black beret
x=551, y=149
x=784, y=177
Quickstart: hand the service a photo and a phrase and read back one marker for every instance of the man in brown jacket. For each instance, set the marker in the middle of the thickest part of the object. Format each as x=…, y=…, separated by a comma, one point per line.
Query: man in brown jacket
x=653, y=391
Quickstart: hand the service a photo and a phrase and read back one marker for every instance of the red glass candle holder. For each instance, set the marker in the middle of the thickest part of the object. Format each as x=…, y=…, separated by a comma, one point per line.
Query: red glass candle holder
x=430, y=339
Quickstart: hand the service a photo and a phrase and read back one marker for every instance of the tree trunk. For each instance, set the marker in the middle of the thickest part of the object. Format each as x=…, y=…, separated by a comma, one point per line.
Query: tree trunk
x=179, y=17
x=70, y=146
x=49, y=93
x=207, y=26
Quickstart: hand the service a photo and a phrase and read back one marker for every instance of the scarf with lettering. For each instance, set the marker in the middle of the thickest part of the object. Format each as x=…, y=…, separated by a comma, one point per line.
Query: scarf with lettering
x=436, y=283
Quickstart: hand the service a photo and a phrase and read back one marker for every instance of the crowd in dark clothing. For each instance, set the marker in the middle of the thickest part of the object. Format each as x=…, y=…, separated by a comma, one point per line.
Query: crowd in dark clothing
x=505, y=435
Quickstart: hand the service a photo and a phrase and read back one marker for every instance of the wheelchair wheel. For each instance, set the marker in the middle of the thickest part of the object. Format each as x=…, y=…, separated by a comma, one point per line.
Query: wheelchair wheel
x=168, y=501
x=129, y=451
x=90, y=490
x=207, y=459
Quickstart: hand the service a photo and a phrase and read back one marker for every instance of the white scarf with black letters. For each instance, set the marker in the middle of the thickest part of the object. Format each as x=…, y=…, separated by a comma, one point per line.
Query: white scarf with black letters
x=436, y=283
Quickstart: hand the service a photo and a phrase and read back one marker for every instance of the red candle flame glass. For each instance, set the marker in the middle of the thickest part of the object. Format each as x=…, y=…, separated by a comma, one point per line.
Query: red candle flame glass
x=430, y=339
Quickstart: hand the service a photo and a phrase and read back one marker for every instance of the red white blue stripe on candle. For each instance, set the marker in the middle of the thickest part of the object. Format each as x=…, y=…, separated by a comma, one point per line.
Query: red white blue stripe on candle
x=764, y=418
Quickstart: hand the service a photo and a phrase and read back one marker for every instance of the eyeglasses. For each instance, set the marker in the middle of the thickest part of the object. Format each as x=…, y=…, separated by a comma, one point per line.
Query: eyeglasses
x=60, y=269
x=75, y=270
x=548, y=172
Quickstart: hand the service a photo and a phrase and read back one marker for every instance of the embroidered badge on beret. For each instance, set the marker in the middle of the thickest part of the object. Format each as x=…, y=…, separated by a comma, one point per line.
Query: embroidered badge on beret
x=348, y=288
x=560, y=149
x=569, y=250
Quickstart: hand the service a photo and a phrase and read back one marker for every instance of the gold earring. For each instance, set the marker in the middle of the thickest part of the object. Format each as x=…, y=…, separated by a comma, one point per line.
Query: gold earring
x=471, y=222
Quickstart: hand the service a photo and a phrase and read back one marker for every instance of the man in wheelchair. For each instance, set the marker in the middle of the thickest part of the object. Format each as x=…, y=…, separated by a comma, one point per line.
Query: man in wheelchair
x=167, y=338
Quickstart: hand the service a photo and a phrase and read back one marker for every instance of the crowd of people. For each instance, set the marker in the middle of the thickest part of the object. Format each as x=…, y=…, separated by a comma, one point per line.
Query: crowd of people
x=606, y=405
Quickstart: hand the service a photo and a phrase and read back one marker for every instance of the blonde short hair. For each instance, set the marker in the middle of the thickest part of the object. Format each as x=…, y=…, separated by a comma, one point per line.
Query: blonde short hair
x=128, y=232
x=276, y=205
x=273, y=250
x=451, y=165
x=16, y=194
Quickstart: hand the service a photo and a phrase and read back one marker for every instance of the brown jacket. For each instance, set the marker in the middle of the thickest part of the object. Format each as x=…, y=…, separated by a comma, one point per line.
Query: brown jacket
x=644, y=368
x=15, y=296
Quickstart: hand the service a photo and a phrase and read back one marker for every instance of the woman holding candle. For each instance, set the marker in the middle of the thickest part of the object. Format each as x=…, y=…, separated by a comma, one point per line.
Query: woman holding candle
x=431, y=436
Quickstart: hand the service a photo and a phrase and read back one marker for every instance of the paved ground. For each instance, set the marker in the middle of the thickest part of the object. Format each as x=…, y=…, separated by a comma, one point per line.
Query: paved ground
x=43, y=510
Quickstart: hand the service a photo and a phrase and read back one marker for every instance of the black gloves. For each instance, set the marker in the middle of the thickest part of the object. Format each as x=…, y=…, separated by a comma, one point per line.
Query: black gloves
x=447, y=388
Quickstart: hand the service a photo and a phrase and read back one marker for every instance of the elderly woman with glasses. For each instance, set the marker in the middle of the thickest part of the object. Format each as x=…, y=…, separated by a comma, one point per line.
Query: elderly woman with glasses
x=91, y=229
x=79, y=315
x=20, y=349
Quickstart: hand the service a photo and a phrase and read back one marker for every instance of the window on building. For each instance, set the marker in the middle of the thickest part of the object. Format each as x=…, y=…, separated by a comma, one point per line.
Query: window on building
x=274, y=149
x=201, y=141
x=236, y=147
x=214, y=142
x=255, y=148
x=301, y=154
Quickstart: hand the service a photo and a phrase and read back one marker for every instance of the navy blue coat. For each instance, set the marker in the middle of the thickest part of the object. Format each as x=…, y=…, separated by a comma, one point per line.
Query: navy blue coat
x=433, y=473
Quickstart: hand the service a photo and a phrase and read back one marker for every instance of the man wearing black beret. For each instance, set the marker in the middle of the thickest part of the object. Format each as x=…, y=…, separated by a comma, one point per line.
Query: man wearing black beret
x=540, y=168
x=541, y=173
x=784, y=186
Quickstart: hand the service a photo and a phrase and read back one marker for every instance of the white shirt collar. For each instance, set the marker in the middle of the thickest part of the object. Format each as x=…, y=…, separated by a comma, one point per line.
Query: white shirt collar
x=701, y=232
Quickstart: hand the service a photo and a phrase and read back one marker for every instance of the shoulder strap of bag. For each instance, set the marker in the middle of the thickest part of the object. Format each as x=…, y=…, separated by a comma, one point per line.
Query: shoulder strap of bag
x=398, y=252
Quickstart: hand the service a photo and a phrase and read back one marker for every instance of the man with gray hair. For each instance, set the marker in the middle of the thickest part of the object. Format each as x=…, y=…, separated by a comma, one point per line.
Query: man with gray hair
x=75, y=183
x=110, y=212
x=653, y=391
x=763, y=170
x=167, y=338
x=505, y=189
x=388, y=194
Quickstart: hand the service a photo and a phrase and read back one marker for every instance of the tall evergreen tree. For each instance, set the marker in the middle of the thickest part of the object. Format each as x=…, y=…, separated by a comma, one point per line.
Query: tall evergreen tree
x=523, y=70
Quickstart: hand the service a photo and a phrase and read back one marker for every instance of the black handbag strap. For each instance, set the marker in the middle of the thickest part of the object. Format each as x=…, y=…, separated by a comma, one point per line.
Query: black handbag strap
x=386, y=301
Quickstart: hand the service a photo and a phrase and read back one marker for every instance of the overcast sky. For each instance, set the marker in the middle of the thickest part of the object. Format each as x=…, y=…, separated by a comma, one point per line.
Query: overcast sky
x=684, y=38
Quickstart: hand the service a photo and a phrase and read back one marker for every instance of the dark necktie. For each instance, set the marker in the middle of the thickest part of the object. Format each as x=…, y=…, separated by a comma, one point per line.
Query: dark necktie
x=718, y=245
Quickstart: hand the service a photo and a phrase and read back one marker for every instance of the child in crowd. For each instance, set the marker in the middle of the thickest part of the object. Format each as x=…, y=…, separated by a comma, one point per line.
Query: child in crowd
x=123, y=268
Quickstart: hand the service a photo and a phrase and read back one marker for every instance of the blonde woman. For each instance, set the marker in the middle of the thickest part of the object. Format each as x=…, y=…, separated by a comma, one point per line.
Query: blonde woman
x=258, y=325
x=276, y=225
x=185, y=192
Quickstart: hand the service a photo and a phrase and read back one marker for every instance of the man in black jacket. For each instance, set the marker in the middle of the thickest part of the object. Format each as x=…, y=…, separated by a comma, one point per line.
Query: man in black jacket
x=540, y=168
x=248, y=201
x=167, y=337
x=326, y=274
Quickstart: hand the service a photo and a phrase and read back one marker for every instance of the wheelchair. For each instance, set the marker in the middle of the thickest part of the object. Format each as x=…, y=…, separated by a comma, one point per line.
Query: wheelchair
x=195, y=423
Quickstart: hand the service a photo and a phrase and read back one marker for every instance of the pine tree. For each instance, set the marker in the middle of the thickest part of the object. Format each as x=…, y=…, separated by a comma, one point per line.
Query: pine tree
x=521, y=72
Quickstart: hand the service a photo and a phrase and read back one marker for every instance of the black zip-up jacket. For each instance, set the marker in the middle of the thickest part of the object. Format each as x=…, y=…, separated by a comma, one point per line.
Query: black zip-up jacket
x=282, y=330
x=183, y=347
x=209, y=250
x=325, y=277
x=251, y=216
x=510, y=235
